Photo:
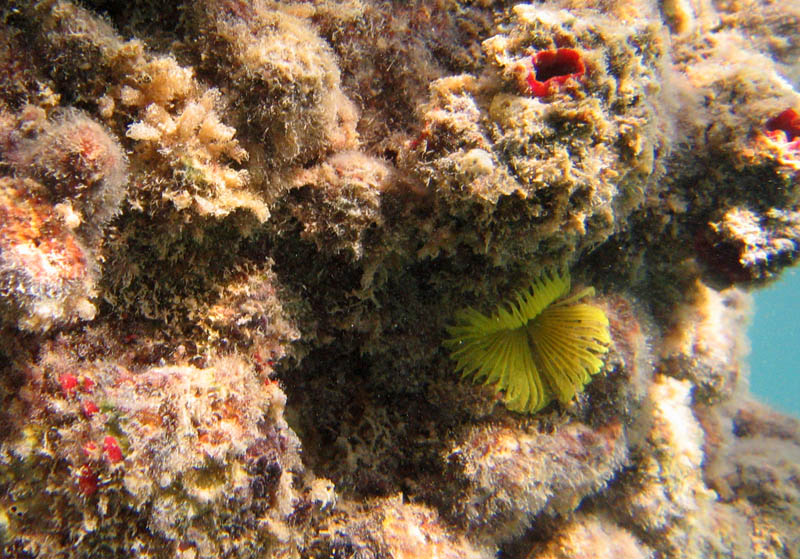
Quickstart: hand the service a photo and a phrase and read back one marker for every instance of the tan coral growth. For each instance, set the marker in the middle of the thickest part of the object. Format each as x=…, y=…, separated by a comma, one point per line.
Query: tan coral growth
x=752, y=458
x=173, y=118
x=249, y=315
x=706, y=342
x=285, y=72
x=667, y=499
x=513, y=475
x=396, y=530
x=760, y=239
x=345, y=200
x=591, y=536
x=195, y=140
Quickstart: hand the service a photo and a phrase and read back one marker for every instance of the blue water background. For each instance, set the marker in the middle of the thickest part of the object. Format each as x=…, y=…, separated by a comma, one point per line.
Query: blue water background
x=775, y=340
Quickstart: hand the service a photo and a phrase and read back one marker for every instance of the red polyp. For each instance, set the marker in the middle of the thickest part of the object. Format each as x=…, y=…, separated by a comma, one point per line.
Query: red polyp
x=112, y=450
x=90, y=408
x=90, y=448
x=87, y=481
x=69, y=383
x=552, y=68
x=87, y=384
x=787, y=122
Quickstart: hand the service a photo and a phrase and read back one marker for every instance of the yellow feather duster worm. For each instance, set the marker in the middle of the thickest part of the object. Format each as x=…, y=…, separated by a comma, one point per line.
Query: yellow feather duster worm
x=534, y=347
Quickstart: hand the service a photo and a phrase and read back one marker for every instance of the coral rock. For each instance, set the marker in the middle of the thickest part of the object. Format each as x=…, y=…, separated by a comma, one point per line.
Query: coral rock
x=512, y=475
x=176, y=441
x=396, y=530
x=548, y=176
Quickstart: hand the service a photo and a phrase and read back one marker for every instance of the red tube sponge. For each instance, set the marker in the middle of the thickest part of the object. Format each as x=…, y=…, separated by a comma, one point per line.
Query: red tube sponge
x=787, y=124
x=552, y=68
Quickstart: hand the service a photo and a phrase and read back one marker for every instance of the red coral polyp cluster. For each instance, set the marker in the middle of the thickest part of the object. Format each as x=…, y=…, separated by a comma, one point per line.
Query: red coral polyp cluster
x=112, y=450
x=69, y=384
x=785, y=128
x=87, y=481
x=552, y=69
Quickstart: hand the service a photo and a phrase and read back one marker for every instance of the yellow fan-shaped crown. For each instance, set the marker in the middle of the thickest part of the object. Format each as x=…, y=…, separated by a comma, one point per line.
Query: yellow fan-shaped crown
x=534, y=347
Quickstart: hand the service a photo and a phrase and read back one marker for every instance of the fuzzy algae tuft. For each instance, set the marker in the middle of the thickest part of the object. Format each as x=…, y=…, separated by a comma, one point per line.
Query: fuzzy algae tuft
x=535, y=347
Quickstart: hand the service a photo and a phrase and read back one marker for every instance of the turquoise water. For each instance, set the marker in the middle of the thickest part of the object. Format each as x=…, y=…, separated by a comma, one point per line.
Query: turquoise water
x=775, y=338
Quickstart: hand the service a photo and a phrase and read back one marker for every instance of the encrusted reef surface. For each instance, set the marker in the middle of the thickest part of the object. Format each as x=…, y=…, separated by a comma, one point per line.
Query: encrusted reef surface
x=233, y=235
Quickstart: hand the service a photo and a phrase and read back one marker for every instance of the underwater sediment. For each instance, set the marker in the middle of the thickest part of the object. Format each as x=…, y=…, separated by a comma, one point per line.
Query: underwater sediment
x=235, y=236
